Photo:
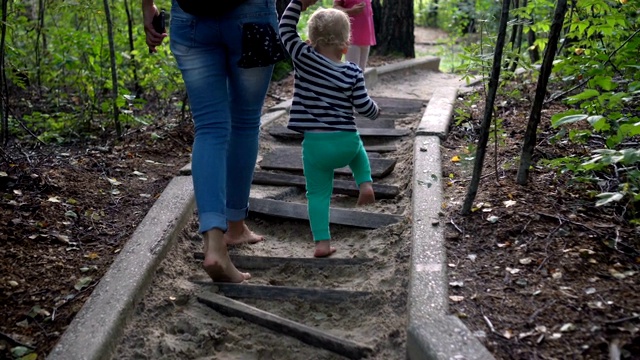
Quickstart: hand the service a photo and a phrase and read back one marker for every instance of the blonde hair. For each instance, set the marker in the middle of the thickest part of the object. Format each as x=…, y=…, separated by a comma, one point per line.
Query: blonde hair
x=329, y=28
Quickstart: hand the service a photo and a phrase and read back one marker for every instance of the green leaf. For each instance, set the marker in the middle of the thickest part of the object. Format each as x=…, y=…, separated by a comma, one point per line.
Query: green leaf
x=587, y=94
x=605, y=82
x=19, y=351
x=608, y=197
x=83, y=282
x=569, y=119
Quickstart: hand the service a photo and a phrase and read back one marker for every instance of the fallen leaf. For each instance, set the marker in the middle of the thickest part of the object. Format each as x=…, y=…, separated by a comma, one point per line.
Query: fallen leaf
x=455, y=159
x=456, y=283
x=92, y=256
x=32, y=356
x=507, y=334
x=83, y=282
x=493, y=219
x=509, y=203
x=114, y=182
x=590, y=291
x=525, y=261
x=17, y=192
x=567, y=327
x=13, y=283
x=555, y=336
x=456, y=298
x=472, y=257
x=512, y=270
x=138, y=173
x=53, y=199
x=3, y=174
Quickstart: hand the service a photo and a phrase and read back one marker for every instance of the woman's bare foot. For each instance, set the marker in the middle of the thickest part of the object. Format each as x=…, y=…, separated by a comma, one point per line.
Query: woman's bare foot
x=367, y=196
x=217, y=263
x=238, y=233
x=323, y=248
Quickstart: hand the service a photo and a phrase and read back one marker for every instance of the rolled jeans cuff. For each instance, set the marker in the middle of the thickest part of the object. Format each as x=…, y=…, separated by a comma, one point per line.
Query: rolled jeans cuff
x=212, y=220
x=237, y=214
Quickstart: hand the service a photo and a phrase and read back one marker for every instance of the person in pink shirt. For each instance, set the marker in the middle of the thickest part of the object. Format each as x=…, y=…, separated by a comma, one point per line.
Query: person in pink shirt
x=363, y=34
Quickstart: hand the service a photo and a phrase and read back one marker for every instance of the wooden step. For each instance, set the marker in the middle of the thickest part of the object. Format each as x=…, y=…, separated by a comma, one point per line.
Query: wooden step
x=284, y=133
x=268, y=292
x=290, y=159
x=343, y=187
x=389, y=105
x=304, y=333
x=289, y=210
x=250, y=262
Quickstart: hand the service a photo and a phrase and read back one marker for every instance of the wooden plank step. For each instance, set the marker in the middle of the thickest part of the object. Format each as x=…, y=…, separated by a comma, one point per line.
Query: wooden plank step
x=366, y=123
x=304, y=333
x=289, y=210
x=290, y=159
x=284, y=133
x=390, y=105
x=250, y=262
x=343, y=187
x=268, y=292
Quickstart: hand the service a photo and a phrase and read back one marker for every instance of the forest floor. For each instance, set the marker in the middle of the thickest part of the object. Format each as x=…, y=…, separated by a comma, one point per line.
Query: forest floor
x=553, y=277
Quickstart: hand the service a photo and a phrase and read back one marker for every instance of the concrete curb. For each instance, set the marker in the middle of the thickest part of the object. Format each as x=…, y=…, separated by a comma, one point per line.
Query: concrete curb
x=431, y=332
x=96, y=329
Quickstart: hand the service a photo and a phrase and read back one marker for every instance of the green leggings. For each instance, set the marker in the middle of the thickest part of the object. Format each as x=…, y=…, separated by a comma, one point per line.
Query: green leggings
x=322, y=153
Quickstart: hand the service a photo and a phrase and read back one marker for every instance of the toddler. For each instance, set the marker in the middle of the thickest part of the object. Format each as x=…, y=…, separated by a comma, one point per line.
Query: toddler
x=326, y=91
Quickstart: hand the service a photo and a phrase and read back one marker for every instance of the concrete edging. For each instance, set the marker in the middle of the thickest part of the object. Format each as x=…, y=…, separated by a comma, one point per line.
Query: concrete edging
x=96, y=329
x=431, y=332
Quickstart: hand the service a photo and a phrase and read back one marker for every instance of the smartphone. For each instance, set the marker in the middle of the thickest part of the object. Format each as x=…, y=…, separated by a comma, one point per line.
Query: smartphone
x=158, y=22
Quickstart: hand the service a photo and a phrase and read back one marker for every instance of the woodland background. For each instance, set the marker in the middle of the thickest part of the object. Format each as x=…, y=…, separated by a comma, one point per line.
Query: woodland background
x=77, y=81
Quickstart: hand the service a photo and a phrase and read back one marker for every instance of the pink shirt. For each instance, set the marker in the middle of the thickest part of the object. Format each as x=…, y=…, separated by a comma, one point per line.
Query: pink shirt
x=362, y=31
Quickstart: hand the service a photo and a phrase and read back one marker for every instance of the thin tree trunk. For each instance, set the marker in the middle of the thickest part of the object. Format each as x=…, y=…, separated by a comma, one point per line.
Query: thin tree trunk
x=39, y=34
x=114, y=72
x=541, y=90
x=4, y=97
x=534, y=53
x=517, y=46
x=136, y=83
x=394, y=27
x=488, y=110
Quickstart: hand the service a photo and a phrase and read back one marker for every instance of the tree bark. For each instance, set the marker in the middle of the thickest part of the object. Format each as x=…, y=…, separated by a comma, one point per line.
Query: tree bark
x=394, y=25
x=541, y=90
x=137, y=89
x=488, y=110
x=4, y=96
x=114, y=72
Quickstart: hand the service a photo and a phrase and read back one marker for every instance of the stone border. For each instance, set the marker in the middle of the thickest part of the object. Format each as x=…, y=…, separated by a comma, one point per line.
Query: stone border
x=431, y=332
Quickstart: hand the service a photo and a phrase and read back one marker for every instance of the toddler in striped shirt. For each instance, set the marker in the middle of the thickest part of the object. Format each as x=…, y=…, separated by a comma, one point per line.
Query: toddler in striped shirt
x=327, y=90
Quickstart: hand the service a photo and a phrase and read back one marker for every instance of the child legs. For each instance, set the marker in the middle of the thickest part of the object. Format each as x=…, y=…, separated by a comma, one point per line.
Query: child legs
x=361, y=170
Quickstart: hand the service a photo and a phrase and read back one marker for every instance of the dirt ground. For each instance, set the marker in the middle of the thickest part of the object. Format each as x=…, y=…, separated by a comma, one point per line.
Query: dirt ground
x=553, y=278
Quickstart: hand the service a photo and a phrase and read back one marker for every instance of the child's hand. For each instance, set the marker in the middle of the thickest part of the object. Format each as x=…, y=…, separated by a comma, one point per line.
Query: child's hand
x=307, y=3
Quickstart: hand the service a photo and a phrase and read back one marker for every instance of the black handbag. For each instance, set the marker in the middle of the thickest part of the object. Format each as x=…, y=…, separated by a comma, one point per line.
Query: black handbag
x=206, y=8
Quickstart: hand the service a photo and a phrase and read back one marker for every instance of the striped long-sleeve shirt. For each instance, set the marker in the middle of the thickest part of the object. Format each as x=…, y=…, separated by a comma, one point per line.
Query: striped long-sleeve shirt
x=325, y=92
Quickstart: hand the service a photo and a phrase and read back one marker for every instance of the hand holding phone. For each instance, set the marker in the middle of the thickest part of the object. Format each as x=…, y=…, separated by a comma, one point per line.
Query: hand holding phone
x=158, y=22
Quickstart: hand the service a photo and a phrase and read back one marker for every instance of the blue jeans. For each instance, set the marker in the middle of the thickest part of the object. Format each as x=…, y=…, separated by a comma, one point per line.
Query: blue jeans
x=226, y=103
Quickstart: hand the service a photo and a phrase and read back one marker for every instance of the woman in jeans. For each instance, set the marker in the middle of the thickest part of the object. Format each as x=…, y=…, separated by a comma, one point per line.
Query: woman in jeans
x=226, y=103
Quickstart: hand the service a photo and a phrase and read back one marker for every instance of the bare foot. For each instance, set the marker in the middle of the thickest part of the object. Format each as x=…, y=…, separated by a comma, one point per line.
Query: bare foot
x=238, y=233
x=323, y=249
x=217, y=263
x=367, y=196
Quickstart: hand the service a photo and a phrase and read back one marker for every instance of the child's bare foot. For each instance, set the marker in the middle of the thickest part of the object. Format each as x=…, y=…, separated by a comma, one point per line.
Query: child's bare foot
x=367, y=196
x=238, y=233
x=323, y=249
x=217, y=263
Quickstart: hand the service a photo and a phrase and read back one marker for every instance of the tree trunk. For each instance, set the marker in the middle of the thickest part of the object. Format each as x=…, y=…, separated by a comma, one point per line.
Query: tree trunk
x=37, y=47
x=4, y=96
x=534, y=53
x=393, y=22
x=114, y=72
x=541, y=90
x=517, y=46
x=137, y=89
x=488, y=110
